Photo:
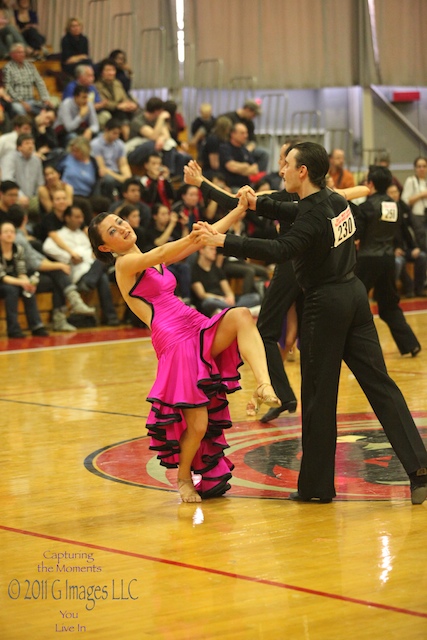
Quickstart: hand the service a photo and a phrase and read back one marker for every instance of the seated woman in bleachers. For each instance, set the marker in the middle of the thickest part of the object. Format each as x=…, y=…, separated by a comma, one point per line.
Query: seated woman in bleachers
x=53, y=182
x=74, y=47
x=27, y=23
x=124, y=72
x=132, y=215
x=9, y=33
x=210, y=152
x=79, y=169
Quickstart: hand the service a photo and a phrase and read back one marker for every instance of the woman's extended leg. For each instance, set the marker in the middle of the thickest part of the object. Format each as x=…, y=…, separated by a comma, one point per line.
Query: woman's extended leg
x=239, y=324
x=197, y=424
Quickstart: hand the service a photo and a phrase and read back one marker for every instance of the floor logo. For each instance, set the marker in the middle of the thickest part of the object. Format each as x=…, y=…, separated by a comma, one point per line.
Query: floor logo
x=267, y=460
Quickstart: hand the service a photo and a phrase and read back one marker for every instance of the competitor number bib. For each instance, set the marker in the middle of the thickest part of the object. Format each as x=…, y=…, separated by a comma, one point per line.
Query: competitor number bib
x=343, y=227
x=389, y=212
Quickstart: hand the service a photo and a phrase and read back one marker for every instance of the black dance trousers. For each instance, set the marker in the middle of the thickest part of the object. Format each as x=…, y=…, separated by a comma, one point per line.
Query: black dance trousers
x=379, y=273
x=337, y=324
x=279, y=297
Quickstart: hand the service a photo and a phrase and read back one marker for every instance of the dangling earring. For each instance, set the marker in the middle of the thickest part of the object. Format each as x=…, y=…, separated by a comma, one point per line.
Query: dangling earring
x=114, y=254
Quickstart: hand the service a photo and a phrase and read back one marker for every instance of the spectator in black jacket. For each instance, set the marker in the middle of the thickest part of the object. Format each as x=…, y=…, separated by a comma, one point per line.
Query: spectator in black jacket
x=406, y=250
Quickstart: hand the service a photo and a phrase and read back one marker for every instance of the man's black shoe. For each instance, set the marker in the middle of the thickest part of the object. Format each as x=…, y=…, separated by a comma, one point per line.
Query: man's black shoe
x=297, y=498
x=40, y=332
x=275, y=412
x=16, y=334
x=418, y=486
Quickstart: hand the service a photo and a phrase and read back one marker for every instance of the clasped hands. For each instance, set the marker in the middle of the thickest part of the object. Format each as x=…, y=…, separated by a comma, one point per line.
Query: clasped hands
x=204, y=234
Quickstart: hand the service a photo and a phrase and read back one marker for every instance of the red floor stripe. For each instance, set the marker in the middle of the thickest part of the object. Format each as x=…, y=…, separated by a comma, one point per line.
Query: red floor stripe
x=226, y=574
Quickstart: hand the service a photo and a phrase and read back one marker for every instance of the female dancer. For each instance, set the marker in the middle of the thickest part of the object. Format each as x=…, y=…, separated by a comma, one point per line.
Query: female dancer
x=198, y=357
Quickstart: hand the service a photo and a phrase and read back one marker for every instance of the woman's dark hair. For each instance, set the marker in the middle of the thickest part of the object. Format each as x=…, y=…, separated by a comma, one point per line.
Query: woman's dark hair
x=315, y=158
x=96, y=239
x=16, y=215
x=157, y=206
x=125, y=211
x=107, y=62
x=113, y=55
x=418, y=159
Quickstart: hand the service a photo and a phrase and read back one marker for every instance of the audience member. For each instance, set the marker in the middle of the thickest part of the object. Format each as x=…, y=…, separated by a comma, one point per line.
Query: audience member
x=210, y=152
x=79, y=169
x=253, y=275
x=54, y=276
x=382, y=159
x=51, y=222
x=124, y=72
x=213, y=210
x=74, y=47
x=9, y=33
x=24, y=167
x=45, y=138
x=6, y=113
x=9, y=195
x=15, y=284
x=131, y=196
x=131, y=214
x=342, y=178
x=88, y=273
x=407, y=250
x=20, y=79
x=117, y=103
x=211, y=287
x=21, y=124
x=156, y=188
x=28, y=25
x=52, y=182
x=189, y=207
x=246, y=115
x=236, y=162
x=85, y=77
x=149, y=131
x=176, y=123
x=415, y=195
x=76, y=117
x=201, y=128
x=165, y=227
x=110, y=155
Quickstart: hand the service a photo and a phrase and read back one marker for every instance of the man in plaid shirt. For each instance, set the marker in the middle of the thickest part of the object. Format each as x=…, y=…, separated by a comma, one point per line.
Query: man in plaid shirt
x=20, y=77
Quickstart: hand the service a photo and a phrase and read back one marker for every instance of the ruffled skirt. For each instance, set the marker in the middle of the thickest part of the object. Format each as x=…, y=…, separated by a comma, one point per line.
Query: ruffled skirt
x=188, y=377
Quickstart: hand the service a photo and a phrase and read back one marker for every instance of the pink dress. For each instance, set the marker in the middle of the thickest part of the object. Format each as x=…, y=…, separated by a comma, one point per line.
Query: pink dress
x=188, y=376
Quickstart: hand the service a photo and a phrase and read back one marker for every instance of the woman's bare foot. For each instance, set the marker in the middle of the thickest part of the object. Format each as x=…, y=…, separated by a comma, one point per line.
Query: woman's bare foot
x=187, y=491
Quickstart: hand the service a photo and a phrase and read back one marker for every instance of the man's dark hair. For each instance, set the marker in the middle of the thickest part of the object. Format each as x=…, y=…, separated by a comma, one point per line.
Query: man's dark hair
x=16, y=215
x=315, y=158
x=154, y=104
x=184, y=189
x=79, y=89
x=127, y=183
x=112, y=123
x=151, y=154
x=8, y=185
x=380, y=177
x=19, y=120
x=22, y=137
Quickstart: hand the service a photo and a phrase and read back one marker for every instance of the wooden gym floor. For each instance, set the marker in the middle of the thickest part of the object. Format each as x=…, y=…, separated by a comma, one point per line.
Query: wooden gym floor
x=95, y=542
